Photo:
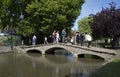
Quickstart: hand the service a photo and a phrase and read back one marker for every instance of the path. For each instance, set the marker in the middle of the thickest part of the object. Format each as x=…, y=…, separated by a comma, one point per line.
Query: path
x=5, y=49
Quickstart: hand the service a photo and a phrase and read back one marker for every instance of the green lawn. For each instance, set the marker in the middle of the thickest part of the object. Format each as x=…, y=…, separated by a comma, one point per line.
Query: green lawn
x=111, y=69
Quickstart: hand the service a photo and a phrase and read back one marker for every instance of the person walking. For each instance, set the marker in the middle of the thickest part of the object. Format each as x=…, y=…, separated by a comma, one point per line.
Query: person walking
x=77, y=38
x=54, y=37
x=45, y=40
x=81, y=38
x=63, y=35
x=57, y=37
x=34, y=39
x=88, y=38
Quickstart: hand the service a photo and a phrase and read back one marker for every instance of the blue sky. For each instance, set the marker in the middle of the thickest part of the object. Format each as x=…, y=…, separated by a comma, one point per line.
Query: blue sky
x=92, y=7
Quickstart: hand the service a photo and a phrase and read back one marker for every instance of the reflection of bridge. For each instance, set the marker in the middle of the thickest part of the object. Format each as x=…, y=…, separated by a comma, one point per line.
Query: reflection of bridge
x=76, y=50
x=64, y=64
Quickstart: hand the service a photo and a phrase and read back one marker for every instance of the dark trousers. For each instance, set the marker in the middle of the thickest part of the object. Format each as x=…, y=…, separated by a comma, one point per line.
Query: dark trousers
x=89, y=43
x=63, y=38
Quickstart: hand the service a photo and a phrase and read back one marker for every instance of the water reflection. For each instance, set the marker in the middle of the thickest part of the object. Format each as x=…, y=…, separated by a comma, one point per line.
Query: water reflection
x=57, y=59
x=36, y=65
x=34, y=54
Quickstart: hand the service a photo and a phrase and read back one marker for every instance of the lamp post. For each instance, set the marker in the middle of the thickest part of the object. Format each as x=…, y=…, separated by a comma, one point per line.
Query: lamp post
x=21, y=21
x=10, y=31
x=11, y=20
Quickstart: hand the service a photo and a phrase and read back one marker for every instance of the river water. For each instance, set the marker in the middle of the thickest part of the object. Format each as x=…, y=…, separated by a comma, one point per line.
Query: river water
x=50, y=65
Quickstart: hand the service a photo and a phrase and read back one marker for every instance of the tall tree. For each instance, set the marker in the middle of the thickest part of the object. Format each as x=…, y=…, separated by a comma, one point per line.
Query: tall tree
x=49, y=15
x=12, y=13
x=3, y=6
x=40, y=16
x=107, y=23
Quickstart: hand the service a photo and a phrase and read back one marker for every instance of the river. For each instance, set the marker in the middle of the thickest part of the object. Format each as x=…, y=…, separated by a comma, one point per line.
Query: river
x=49, y=65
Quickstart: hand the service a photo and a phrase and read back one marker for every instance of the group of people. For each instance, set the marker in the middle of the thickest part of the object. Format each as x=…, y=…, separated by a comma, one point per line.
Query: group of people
x=55, y=37
x=79, y=38
x=76, y=38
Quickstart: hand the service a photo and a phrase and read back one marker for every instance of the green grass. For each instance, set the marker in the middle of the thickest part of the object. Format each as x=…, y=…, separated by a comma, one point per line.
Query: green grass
x=111, y=69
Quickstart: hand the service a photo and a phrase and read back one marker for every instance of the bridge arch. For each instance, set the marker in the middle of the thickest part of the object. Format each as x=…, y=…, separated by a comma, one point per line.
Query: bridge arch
x=93, y=56
x=58, y=50
x=102, y=56
x=34, y=51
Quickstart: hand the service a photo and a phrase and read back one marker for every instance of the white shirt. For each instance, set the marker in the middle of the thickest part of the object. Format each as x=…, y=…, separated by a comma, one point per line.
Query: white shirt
x=57, y=35
x=34, y=37
x=45, y=38
x=88, y=37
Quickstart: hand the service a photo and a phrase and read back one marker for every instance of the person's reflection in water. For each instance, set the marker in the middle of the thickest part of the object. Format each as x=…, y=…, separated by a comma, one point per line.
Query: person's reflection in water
x=56, y=71
x=33, y=64
x=70, y=57
x=77, y=73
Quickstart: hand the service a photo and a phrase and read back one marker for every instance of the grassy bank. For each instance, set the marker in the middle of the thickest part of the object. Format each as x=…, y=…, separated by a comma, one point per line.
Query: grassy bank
x=111, y=69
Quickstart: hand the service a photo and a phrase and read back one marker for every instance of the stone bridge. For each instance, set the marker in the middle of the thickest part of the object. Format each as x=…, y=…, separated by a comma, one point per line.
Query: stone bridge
x=76, y=50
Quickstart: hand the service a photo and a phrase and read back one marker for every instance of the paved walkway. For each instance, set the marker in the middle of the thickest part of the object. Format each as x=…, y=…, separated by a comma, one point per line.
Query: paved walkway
x=5, y=49
x=97, y=49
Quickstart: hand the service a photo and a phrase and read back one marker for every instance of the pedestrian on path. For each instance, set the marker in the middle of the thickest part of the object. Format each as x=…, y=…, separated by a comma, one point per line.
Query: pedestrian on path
x=34, y=39
x=45, y=40
x=54, y=37
x=57, y=37
x=81, y=38
x=88, y=39
x=63, y=35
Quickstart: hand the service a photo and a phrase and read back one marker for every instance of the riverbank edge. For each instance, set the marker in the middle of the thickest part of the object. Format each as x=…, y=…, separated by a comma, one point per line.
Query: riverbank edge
x=109, y=69
x=5, y=49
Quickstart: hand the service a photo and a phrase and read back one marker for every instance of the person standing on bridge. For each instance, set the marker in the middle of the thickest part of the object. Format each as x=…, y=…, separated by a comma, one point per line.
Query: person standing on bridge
x=63, y=35
x=57, y=37
x=81, y=38
x=45, y=40
x=54, y=37
x=88, y=39
x=34, y=39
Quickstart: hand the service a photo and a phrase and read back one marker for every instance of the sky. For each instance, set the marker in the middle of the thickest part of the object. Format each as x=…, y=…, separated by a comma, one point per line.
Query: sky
x=93, y=7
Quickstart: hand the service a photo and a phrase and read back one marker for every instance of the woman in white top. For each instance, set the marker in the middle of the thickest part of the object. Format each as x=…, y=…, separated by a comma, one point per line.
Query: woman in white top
x=88, y=39
x=34, y=38
x=57, y=37
x=45, y=40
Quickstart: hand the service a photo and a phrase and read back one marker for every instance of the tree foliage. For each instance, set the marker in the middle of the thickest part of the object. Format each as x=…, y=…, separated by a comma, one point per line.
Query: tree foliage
x=49, y=15
x=10, y=14
x=3, y=6
x=40, y=16
x=107, y=23
x=84, y=26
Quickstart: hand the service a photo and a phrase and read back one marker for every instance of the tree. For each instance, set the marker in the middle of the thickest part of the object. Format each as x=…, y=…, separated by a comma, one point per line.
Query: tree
x=84, y=26
x=40, y=16
x=10, y=14
x=49, y=15
x=107, y=23
x=3, y=6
